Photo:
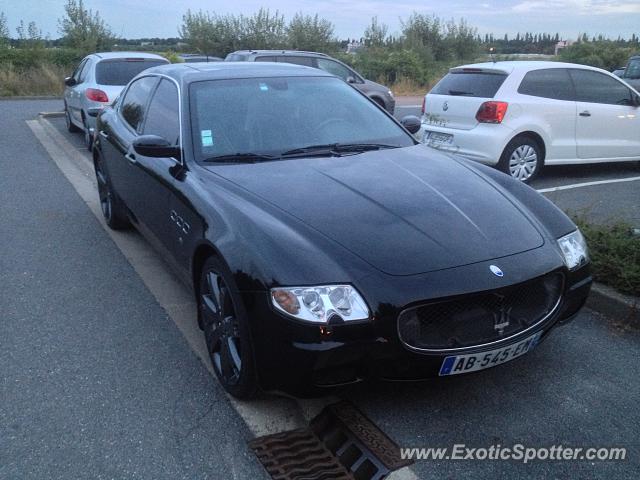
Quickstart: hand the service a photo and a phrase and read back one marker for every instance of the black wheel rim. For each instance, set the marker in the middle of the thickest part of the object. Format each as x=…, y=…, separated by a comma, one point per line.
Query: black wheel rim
x=104, y=192
x=221, y=328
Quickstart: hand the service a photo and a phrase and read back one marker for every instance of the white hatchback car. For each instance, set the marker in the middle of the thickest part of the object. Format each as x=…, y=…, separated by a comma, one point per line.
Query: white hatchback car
x=518, y=116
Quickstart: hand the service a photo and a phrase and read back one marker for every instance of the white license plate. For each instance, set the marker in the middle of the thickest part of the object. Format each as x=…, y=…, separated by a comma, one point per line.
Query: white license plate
x=473, y=362
x=437, y=138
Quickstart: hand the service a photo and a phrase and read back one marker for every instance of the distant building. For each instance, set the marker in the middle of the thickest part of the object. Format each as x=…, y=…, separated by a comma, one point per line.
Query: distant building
x=562, y=44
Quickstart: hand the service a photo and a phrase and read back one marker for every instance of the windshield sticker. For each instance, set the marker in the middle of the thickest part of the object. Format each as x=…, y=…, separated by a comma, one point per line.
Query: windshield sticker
x=264, y=87
x=207, y=138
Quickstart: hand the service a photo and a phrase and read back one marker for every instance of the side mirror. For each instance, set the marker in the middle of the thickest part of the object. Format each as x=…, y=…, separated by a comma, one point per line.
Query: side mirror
x=70, y=81
x=94, y=111
x=351, y=79
x=636, y=100
x=155, y=146
x=411, y=123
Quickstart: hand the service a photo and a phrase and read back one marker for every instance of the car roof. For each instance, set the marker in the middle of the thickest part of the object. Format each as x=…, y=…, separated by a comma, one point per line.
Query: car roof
x=111, y=55
x=522, y=65
x=189, y=72
x=278, y=52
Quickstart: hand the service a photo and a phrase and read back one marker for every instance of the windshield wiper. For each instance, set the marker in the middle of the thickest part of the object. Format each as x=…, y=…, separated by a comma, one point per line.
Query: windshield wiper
x=460, y=93
x=241, y=157
x=335, y=149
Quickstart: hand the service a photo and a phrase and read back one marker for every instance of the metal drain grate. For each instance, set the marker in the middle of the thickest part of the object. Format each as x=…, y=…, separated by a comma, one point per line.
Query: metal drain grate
x=341, y=443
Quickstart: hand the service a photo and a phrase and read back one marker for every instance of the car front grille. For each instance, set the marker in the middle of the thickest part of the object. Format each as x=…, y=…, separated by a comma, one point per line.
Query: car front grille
x=482, y=318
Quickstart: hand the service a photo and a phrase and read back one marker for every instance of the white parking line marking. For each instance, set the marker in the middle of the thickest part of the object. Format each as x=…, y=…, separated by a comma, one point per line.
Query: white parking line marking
x=587, y=184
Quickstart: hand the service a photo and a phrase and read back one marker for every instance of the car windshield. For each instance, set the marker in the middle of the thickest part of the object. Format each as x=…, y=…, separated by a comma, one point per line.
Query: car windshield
x=270, y=117
x=120, y=72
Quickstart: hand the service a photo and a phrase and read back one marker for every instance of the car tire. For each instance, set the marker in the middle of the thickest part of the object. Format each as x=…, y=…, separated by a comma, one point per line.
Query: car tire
x=113, y=209
x=522, y=159
x=71, y=127
x=226, y=330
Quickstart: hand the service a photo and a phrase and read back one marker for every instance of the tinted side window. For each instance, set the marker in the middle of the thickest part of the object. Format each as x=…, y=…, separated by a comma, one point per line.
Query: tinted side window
x=334, y=68
x=85, y=70
x=596, y=87
x=163, y=114
x=269, y=58
x=548, y=83
x=135, y=100
x=76, y=74
x=297, y=60
x=470, y=84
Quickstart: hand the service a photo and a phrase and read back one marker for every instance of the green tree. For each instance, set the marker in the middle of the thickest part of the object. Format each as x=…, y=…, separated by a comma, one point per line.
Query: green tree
x=4, y=30
x=375, y=35
x=312, y=33
x=266, y=30
x=84, y=29
x=29, y=35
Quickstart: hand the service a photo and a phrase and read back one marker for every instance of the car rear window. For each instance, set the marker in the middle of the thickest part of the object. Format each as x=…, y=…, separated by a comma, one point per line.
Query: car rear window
x=120, y=72
x=470, y=84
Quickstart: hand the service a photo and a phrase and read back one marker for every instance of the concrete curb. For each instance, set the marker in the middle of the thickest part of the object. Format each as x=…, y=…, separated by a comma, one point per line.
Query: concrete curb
x=32, y=97
x=618, y=307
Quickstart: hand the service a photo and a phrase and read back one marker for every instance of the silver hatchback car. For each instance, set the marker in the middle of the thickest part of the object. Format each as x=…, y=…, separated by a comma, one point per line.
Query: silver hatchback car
x=97, y=81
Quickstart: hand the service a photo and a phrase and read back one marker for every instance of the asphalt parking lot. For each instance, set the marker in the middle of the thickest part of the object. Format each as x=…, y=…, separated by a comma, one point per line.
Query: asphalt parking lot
x=103, y=374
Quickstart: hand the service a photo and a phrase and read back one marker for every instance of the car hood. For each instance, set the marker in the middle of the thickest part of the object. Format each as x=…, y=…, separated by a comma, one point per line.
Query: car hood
x=404, y=211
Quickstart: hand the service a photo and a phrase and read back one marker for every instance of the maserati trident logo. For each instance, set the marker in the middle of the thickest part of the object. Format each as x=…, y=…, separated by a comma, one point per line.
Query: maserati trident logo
x=445, y=106
x=496, y=271
x=501, y=317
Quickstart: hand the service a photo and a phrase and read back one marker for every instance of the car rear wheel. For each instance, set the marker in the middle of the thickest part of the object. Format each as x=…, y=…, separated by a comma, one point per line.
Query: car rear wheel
x=226, y=330
x=67, y=118
x=113, y=210
x=522, y=159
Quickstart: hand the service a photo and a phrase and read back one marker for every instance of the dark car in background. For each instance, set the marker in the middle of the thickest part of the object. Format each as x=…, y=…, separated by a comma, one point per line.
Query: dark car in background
x=325, y=245
x=631, y=73
x=97, y=81
x=380, y=94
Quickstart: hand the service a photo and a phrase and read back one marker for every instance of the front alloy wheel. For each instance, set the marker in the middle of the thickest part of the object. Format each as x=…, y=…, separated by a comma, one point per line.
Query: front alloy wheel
x=226, y=332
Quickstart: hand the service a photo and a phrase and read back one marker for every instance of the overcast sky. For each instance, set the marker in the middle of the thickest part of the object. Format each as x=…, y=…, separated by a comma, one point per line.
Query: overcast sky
x=161, y=18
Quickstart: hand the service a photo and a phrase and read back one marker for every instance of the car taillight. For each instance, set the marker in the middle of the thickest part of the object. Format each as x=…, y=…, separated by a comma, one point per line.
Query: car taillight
x=424, y=104
x=492, y=112
x=96, y=95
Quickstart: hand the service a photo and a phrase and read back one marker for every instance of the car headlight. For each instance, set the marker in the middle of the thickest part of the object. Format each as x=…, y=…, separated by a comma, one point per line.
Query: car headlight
x=320, y=304
x=574, y=249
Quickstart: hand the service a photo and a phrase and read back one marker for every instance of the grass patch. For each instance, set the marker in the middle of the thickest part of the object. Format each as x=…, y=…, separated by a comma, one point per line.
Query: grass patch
x=615, y=255
x=44, y=79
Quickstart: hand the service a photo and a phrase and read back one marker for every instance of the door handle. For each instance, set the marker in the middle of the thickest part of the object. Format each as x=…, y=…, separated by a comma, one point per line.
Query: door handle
x=104, y=135
x=586, y=113
x=131, y=157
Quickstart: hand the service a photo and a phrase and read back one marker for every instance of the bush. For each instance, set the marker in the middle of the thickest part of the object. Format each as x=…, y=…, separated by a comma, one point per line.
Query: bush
x=605, y=54
x=615, y=253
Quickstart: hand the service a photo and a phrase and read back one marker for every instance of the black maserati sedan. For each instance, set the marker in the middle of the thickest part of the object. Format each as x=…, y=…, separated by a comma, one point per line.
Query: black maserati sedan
x=324, y=245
